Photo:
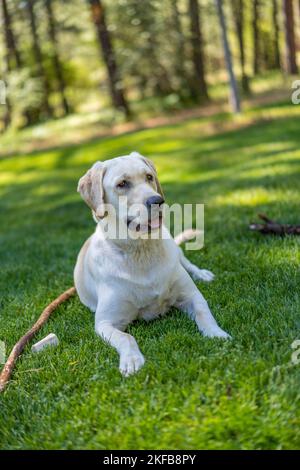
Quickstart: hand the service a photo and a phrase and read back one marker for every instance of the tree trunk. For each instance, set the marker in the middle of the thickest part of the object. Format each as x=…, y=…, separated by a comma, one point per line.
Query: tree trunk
x=200, y=87
x=288, y=14
x=7, y=118
x=235, y=99
x=7, y=115
x=56, y=60
x=38, y=57
x=8, y=36
x=238, y=16
x=179, y=57
x=179, y=36
x=115, y=85
x=256, y=37
x=10, y=40
x=277, y=61
x=12, y=57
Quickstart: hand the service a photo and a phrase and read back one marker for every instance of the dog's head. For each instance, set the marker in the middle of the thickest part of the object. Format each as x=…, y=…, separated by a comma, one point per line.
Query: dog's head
x=130, y=186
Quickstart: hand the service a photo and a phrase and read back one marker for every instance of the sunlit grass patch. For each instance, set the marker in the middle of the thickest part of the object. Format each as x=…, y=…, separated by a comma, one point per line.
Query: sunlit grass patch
x=193, y=392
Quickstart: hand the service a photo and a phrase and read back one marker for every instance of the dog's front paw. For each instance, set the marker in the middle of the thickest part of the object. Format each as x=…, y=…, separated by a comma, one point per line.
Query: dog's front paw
x=203, y=275
x=216, y=332
x=131, y=362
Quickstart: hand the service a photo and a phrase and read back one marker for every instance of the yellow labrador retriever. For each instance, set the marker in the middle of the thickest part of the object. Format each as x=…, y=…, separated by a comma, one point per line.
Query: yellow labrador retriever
x=134, y=276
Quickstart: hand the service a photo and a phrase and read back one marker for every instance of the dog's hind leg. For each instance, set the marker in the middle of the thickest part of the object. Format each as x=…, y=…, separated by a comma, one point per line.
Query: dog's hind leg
x=191, y=301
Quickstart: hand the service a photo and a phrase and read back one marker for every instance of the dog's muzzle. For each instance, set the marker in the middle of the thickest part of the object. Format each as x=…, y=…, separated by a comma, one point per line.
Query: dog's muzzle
x=154, y=208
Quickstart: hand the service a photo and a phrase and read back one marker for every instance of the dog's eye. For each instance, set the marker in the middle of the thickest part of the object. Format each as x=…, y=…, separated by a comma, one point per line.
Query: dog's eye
x=122, y=184
x=149, y=177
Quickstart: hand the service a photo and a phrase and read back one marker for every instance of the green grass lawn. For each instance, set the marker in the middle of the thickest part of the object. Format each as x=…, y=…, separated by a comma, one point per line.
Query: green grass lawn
x=193, y=392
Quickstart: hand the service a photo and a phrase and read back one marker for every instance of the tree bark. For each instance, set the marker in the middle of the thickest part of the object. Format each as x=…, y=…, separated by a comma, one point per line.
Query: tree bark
x=104, y=40
x=288, y=14
x=10, y=40
x=179, y=58
x=238, y=16
x=56, y=61
x=8, y=36
x=12, y=57
x=200, y=87
x=7, y=118
x=235, y=99
x=38, y=57
x=256, y=37
x=277, y=61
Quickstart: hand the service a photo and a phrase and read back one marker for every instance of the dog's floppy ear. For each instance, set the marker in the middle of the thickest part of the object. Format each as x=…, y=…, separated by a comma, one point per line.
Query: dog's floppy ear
x=150, y=164
x=90, y=187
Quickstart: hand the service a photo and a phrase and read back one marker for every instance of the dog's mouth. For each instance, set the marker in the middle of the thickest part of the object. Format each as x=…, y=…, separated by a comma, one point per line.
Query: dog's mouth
x=154, y=223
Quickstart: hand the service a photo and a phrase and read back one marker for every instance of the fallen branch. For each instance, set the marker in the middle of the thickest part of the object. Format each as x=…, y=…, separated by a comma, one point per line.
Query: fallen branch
x=275, y=228
x=20, y=345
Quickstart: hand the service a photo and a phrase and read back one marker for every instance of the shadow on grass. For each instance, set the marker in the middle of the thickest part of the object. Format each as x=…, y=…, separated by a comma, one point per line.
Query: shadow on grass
x=44, y=220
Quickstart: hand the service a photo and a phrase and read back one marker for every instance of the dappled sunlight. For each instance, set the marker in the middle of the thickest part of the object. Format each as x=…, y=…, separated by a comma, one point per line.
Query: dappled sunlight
x=204, y=90
x=240, y=168
x=269, y=171
x=29, y=176
x=236, y=174
x=255, y=197
x=6, y=177
x=203, y=124
x=272, y=154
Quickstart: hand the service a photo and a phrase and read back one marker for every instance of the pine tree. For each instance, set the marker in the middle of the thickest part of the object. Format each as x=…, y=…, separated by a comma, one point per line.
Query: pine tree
x=238, y=16
x=288, y=13
x=105, y=43
x=39, y=58
x=55, y=55
x=234, y=93
x=200, y=85
x=277, y=60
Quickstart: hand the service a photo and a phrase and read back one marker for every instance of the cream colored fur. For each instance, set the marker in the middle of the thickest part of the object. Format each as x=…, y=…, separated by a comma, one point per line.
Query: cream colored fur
x=122, y=280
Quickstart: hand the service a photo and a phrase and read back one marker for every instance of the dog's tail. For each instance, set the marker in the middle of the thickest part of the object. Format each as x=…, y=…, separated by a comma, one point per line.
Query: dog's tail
x=5, y=375
x=186, y=236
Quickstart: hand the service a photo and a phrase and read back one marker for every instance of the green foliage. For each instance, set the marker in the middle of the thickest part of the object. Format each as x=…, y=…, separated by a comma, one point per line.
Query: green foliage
x=192, y=392
x=25, y=93
x=152, y=43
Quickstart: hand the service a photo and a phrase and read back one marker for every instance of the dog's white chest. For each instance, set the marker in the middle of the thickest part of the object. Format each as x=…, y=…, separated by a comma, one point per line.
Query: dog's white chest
x=153, y=288
x=156, y=299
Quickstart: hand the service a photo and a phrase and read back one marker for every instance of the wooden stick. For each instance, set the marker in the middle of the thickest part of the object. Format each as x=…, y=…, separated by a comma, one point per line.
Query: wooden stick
x=20, y=345
x=275, y=228
x=265, y=218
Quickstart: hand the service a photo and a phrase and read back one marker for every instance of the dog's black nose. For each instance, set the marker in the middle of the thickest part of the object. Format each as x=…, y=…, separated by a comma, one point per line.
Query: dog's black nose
x=154, y=200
